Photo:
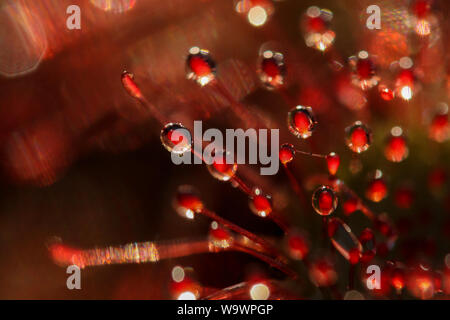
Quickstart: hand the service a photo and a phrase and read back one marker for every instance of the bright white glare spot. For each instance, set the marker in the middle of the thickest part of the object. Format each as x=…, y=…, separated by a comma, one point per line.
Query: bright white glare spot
x=214, y=225
x=406, y=62
x=189, y=214
x=259, y=292
x=194, y=50
x=313, y=12
x=424, y=267
x=268, y=54
x=177, y=274
x=378, y=174
x=363, y=55
x=187, y=296
x=204, y=80
x=396, y=131
x=447, y=260
x=406, y=93
x=257, y=16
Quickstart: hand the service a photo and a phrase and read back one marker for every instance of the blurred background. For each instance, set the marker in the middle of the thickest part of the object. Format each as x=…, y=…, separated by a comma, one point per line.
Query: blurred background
x=82, y=160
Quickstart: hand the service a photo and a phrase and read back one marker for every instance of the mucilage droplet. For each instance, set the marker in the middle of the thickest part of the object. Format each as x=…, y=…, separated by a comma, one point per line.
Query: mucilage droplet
x=272, y=69
x=358, y=137
x=199, y=66
x=187, y=201
x=363, y=71
x=287, y=153
x=324, y=200
x=316, y=25
x=176, y=138
x=301, y=122
x=222, y=170
x=260, y=203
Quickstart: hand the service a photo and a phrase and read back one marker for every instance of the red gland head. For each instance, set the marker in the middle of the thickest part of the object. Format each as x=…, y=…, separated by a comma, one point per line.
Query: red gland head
x=187, y=201
x=260, y=204
x=287, y=153
x=377, y=188
x=333, y=161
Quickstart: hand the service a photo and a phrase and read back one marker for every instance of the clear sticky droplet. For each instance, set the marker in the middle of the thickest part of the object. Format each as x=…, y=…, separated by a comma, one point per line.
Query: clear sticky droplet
x=316, y=25
x=363, y=71
x=199, y=66
x=260, y=203
x=301, y=122
x=358, y=137
x=187, y=201
x=344, y=240
x=272, y=69
x=222, y=170
x=176, y=138
x=324, y=200
x=287, y=153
